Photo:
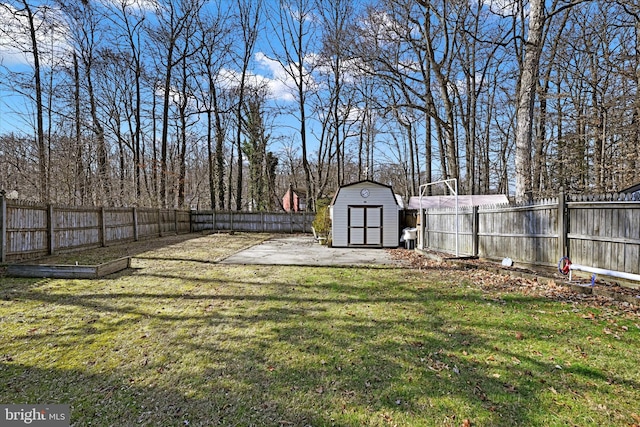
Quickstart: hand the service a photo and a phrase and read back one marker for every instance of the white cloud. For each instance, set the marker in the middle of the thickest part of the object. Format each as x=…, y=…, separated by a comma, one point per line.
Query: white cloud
x=139, y=5
x=280, y=83
x=504, y=7
x=277, y=81
x=15, y=41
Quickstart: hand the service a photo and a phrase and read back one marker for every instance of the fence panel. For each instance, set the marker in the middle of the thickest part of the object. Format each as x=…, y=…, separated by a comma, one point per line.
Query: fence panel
x=440, y=230
x=263, y=222
x=148, y=222
x=29, y=230
x=75, y=228
x=26, y=231
x=525, y=234
x=118, y=225
x=183, y=222
x=605, y=235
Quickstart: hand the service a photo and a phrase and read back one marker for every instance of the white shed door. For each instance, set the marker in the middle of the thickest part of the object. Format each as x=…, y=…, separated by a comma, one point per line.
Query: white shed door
x=365, y=226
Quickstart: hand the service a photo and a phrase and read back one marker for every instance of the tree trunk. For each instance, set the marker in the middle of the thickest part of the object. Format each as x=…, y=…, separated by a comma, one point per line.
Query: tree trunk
x=526, y=100
x=219, y=149
x=80, y=187
x=42, y=149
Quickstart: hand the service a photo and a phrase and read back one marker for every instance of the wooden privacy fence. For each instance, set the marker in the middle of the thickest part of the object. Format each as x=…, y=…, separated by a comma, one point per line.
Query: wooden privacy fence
x=29, y=230
x=597, y=231
x=263, y=222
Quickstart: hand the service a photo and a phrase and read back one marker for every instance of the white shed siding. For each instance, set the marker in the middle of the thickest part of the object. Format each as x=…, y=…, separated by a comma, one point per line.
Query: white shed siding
x=379, y=195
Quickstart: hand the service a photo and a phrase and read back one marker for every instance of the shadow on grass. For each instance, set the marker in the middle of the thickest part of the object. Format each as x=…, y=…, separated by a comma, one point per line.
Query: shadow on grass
x=247, y=347
x=113, y=399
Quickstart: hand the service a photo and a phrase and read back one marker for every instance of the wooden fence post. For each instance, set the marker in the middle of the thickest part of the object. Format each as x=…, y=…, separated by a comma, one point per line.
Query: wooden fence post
x=136, y=235
x=159, y=222
x=50, y=231
x=427, y=243
x=3, y=227
x=175, y=220
x=475, y=225
x=563, y=250
x=103, y=228
x=291, y=221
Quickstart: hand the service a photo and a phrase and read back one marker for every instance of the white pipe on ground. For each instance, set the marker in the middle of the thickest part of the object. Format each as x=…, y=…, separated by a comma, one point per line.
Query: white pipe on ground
x=612, y=273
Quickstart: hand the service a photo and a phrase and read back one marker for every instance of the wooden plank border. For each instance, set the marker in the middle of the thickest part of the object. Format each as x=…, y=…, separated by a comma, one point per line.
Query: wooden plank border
x=68, y=271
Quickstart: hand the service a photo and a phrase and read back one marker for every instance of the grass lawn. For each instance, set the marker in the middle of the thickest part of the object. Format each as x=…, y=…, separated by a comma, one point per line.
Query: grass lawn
x=180, y=340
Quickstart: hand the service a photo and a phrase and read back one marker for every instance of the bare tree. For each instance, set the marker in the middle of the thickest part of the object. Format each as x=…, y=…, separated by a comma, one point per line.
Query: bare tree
x=539, y=20
x=84, y=21
x=130, y=23
x=23, y=11
x=214, y=53
x=249, y=21
x=294, y=30
x=173, y=22
x=336, y=39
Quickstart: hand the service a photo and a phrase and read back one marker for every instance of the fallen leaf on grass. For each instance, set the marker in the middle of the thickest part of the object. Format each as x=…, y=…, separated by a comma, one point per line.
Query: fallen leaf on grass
x=510, y=388
x=386, y=417
x=480, y=393
x=466, y=423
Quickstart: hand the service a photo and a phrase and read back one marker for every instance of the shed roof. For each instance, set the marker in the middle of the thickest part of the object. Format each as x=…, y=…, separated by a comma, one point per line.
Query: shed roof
x=368, y=181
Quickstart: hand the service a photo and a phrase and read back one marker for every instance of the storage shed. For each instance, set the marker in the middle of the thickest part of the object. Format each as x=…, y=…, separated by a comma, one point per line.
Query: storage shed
x=365, y=214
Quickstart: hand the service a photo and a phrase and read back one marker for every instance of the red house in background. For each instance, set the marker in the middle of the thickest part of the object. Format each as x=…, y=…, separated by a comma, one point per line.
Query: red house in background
x=294, y=200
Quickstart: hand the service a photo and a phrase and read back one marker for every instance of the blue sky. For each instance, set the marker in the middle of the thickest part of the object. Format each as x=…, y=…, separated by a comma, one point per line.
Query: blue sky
x=15, y=57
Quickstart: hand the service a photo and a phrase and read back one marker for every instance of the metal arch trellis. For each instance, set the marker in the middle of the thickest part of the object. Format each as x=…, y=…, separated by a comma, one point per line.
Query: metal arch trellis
x=452, y=184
